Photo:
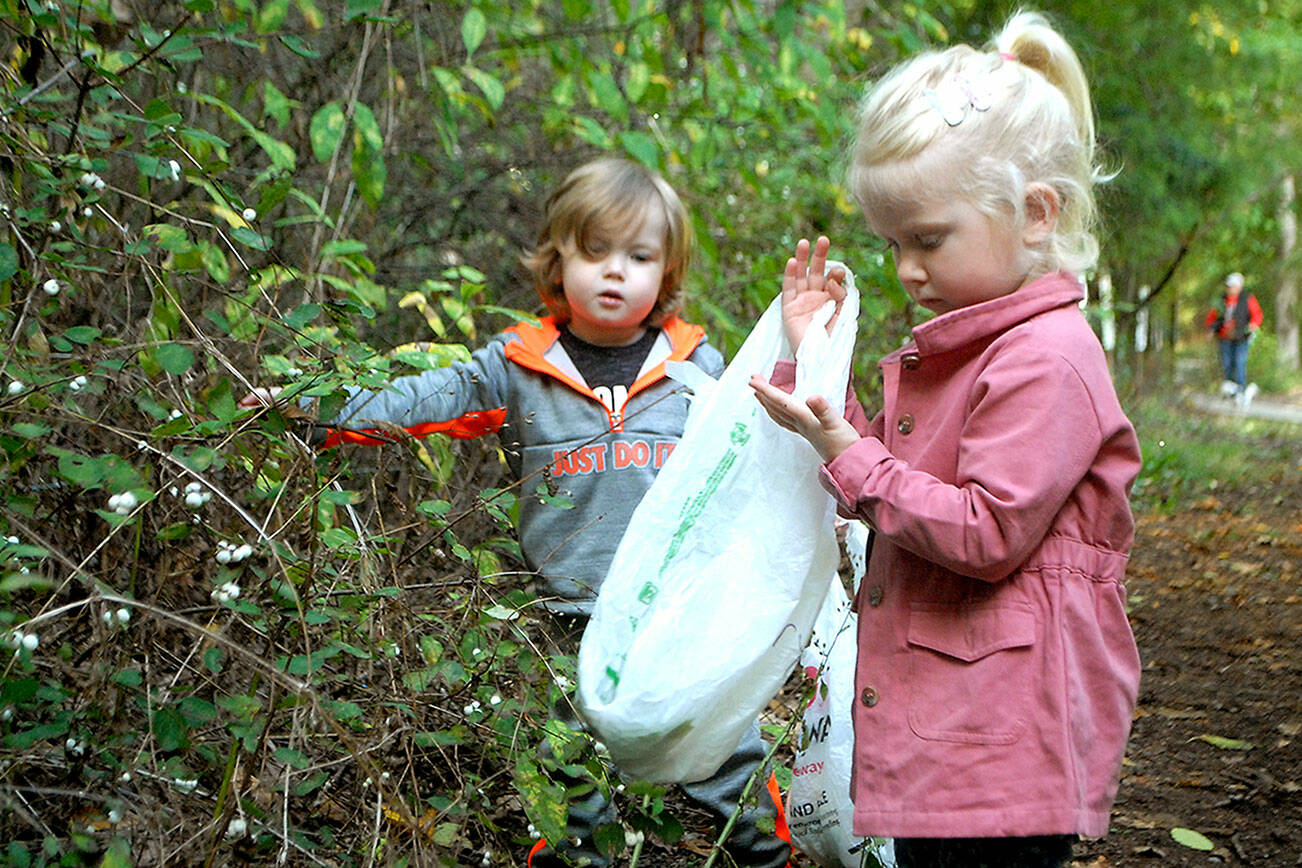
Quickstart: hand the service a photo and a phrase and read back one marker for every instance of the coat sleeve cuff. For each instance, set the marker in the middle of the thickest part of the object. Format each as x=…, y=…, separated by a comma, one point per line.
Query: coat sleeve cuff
x=784, y=376
x=846, y=475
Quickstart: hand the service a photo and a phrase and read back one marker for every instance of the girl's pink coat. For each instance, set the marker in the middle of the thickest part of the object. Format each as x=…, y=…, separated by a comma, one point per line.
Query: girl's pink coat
x=997, y=672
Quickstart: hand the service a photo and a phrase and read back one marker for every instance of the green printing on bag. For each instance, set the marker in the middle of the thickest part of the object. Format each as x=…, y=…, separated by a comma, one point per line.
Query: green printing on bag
x=692, y=509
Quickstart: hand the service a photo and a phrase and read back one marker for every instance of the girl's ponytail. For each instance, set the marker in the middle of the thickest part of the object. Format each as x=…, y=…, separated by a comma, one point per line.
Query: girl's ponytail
x=1030, y=40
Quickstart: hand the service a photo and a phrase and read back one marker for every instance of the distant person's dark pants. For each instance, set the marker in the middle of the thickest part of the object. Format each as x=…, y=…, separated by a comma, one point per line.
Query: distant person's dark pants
x=1234, y=361
x=1045, y=851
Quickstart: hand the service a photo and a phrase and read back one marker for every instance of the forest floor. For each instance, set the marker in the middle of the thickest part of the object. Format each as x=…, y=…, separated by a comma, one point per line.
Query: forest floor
x=1216, y=606
x=1215, y=590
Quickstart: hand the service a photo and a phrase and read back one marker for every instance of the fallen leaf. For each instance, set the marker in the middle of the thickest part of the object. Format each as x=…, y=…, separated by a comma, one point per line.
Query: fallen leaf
x=1224, y=743
x=1191, y=839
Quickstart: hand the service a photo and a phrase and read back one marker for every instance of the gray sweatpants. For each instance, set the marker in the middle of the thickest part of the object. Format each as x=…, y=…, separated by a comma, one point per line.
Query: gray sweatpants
x=719, y=794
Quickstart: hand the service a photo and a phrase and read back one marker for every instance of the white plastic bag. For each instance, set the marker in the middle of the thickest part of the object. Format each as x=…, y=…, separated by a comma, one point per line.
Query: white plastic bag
x=819, y=809
x=715, y=584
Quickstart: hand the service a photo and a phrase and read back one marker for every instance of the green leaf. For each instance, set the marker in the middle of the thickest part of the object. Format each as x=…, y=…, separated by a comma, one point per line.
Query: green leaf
x=1191, y=839
x=299, y=46
x=576, y=10
x=174, y=531
x=81, y=469
x=311, y=783
x=640, y=147
x=281, y=154
x=170, y=730
x=240, y=706
x=19, y=856
x=302, y=315
x=341, y=709
x=28, y=737
x=544, y=800
x=8, y=262
x=474, y=26
x=591, y=132
x=82, y=334
x=170, y=238
x=356, y=8
x=271, y=16
x=494, y=91
x=368, y=161
x=196, y=711
x=214, y=260
x=607, y=95
x=456, y=735
x=419, y=680
x=326, y=130
x=174, y=358
x=222, y=404
x=249, y=238
x=17, y=691
x=117, y=855
x=635, y=85
x=156, y=168
x=502, y=613
x=289, y=756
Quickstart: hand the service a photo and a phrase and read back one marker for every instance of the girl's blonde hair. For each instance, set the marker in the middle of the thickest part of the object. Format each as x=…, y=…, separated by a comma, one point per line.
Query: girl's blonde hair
x=996, y=121
x=603, y=198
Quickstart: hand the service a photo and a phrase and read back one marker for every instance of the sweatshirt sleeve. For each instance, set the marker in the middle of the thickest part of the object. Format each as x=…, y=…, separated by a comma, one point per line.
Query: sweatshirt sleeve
x=435, y=400
x=708, y=359
x=1031, y=433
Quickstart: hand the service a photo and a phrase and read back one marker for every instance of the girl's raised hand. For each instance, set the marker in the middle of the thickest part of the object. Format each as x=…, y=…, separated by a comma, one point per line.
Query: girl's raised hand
x=806, y=288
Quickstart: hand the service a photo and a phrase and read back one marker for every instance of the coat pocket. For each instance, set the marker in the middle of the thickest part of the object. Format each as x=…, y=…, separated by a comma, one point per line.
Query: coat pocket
x=970, y=672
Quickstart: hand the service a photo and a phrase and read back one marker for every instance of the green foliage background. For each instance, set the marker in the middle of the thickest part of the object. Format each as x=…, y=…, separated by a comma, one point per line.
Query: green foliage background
x=201, y=197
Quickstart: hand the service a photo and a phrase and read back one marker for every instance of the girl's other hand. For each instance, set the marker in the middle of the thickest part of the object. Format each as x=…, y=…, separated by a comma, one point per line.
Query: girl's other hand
x=814, y=419
x=805, y=289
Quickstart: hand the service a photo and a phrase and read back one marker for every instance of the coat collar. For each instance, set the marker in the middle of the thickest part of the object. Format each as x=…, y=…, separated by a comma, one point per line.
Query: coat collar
x=961, y=327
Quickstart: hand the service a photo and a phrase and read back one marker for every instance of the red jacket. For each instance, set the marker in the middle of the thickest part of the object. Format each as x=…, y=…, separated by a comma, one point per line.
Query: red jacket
x=1234, y=323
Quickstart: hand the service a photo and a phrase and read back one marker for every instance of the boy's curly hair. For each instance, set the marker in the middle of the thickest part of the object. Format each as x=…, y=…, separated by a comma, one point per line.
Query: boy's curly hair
x=600, y=198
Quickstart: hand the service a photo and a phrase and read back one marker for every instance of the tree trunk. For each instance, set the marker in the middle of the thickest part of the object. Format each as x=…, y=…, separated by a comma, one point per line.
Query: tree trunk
x=1286, y=320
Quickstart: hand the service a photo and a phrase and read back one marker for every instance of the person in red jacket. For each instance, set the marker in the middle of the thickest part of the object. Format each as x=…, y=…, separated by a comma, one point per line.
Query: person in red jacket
x=1234, y=322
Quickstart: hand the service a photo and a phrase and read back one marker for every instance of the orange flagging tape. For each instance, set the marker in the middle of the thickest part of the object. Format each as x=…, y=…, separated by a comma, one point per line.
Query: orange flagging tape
x=780, y=825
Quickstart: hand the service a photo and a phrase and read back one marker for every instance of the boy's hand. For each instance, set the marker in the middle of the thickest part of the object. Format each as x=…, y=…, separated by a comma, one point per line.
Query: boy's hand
x=815, y=420
x=261, y=397
x=805, y=289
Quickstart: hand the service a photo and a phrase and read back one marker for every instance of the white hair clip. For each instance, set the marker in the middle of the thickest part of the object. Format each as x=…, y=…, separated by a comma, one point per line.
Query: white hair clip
x=955, y=96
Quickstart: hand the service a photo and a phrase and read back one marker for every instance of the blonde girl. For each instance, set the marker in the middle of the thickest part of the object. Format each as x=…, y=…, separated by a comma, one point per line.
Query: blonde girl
x=997, y=672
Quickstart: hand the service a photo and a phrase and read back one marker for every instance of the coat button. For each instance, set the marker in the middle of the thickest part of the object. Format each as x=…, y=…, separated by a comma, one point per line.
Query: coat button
x=875, y=595
x=869, y=696
x=911, y=362
x=905, y=425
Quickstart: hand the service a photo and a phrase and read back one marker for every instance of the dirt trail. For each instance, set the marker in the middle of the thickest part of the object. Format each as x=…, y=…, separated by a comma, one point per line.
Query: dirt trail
x=1216, y=594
